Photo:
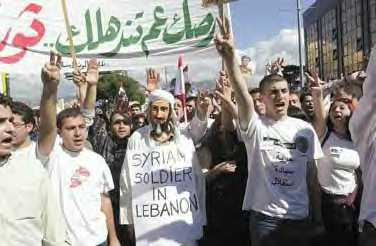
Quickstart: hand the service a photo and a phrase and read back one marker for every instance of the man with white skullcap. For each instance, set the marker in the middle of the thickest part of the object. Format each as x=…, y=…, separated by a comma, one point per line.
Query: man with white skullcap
x=161, y=181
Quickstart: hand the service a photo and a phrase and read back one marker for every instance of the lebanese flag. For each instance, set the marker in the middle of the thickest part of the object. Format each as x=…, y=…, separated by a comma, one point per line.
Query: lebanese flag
x=180, y=84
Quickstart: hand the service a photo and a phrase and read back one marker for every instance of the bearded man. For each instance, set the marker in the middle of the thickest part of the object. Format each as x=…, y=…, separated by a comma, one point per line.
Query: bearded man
x=161, y=186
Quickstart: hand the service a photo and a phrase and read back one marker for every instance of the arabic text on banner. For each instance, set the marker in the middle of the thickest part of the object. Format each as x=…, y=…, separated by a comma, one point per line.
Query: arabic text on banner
x=125, y=33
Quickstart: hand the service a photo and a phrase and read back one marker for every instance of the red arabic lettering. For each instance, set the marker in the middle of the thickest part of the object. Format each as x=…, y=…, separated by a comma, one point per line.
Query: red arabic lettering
x=22, y=41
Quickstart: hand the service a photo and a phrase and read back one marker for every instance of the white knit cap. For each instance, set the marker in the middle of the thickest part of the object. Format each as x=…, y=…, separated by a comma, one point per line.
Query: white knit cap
x=162, y=95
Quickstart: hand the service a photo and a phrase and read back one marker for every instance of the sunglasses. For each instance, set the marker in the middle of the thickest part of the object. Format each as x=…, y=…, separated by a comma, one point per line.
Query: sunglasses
x=117, y=122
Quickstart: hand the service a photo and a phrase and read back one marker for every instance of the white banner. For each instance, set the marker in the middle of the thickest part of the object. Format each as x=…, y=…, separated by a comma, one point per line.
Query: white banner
x=165, y=202
x=125, y=34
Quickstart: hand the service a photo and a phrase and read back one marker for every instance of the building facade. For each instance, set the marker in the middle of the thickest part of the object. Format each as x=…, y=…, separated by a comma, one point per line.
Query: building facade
x=339, y=35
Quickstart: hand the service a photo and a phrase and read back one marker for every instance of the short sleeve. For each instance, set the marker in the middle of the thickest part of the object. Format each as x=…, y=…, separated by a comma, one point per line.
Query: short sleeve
x=251, y=128
x=317, y=151
x=107, y=182
x=46, y=160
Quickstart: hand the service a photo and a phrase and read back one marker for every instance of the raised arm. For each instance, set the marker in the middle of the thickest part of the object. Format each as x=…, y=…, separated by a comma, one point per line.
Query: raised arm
x=199, y=124
x=229, y=110
x=91, y=79
x=226, y=48
x=319, y=120
x=152, y=80
x=50, y=77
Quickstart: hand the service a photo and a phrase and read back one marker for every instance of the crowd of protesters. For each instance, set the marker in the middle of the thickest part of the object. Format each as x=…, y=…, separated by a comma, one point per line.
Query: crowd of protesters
x=272, y=165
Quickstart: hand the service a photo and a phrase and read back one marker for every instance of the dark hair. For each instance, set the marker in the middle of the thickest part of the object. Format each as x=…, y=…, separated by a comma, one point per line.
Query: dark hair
x=24, y=111
x=124, y=114
x=67, y=113
x=5, y=101
x=254, y=90
x=304, y=95
x=271, y=78
x=348, y=102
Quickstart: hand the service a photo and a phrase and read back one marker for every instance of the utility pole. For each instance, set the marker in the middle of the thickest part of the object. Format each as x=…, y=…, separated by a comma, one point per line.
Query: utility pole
x=299, y=9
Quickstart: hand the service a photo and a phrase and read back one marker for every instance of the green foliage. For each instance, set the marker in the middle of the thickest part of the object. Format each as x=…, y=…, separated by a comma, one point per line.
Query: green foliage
x=109, y=85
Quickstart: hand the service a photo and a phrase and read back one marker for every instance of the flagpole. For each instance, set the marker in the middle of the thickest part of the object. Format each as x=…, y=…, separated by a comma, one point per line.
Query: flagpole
x=71, y=44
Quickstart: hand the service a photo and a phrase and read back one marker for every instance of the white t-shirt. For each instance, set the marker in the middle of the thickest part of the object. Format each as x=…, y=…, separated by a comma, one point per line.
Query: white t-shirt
x=278, y=152
x=363, y=133
x=79, y=178
x=29, y=151
x=336, y=171
x=29, y=213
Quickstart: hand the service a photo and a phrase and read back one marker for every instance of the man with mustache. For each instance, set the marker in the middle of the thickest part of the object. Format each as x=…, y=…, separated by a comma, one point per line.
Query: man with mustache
x=161, y=159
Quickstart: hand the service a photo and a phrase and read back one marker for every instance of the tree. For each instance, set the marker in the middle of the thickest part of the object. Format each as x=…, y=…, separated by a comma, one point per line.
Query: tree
x=110, y=83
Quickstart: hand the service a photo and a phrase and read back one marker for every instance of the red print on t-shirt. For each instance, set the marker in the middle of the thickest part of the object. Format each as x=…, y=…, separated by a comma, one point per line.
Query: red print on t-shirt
x=79, y=176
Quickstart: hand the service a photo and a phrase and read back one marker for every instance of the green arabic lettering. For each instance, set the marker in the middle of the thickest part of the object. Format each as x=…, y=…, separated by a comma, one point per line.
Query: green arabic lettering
x=112, y=30
x=89, y=31
x=116, y=50
x=90, y=37
x=205, y=26
x=208, y=39
x=189, y=32
x=171, y=38
x=65, y=48
x=133, y=39
x=139, y=15
x=155, y=29
x=125, y=42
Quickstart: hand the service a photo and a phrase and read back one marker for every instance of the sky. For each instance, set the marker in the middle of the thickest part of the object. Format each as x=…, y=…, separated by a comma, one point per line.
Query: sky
x=254, y=20
x=264, y=30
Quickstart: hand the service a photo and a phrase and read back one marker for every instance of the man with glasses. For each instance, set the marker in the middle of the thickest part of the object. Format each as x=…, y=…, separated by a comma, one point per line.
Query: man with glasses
x=23, y=126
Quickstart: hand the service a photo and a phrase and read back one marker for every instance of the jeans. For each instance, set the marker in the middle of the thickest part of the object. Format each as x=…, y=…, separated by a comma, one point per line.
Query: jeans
x=271, y=231
x=368, y=235
x=340, y=221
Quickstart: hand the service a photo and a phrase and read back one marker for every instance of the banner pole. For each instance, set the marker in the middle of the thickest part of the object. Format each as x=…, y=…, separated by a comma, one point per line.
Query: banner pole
x=69, y=32
x=71, y=44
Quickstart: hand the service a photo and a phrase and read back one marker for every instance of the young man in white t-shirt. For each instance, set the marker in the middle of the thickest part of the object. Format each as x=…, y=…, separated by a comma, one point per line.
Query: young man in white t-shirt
x=363, y=133
x=282, y=183
x=80, y=177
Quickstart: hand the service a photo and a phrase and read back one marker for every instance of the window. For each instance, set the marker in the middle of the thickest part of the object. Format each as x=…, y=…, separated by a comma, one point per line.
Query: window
x=352, y=34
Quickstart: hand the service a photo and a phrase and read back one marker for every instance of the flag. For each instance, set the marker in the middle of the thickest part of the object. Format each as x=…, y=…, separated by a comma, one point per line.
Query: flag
x=180, y=84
